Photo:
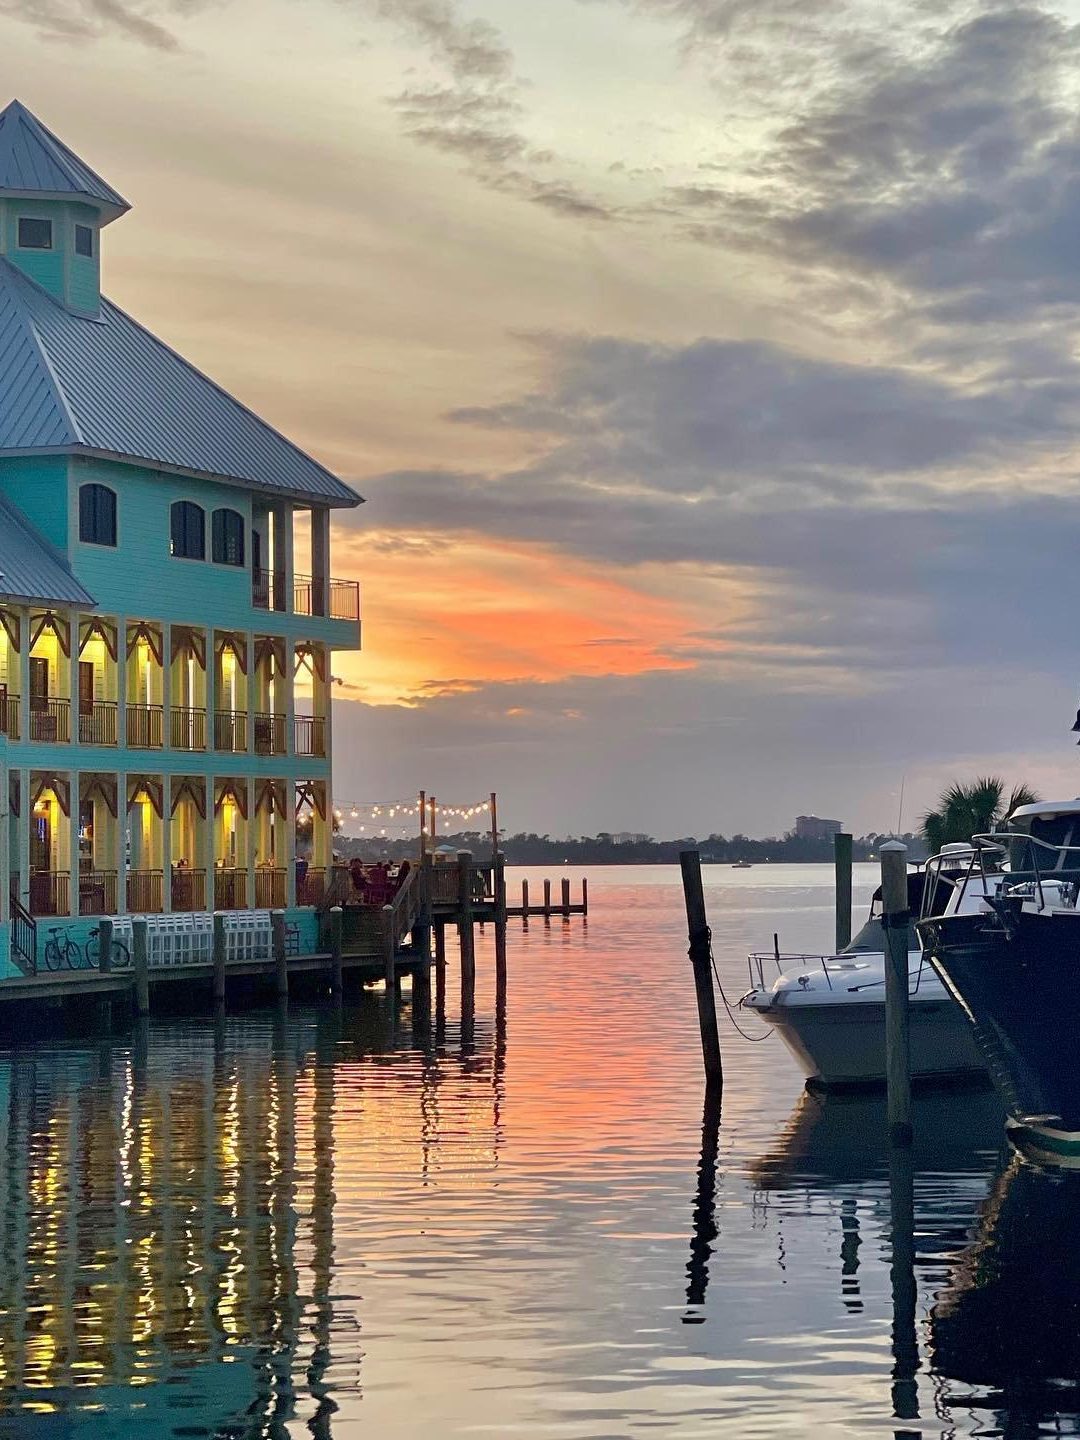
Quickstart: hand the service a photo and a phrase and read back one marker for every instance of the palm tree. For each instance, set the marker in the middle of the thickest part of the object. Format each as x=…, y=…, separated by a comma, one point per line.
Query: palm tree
x=972, y=808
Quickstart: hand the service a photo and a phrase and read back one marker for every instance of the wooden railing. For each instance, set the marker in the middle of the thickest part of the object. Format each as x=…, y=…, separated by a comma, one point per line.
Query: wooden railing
x=230, y=889
x=97, y=892
x=50, y=721
x=310, y=735
x=311, y=888
x=9, y=713
x=230, y=731
x=269, y=889
x=145, y=727
x=404, y=910
x=97, y=724
x=188, y=889
x=50, y=892
x=144, y=891
x=187, y=728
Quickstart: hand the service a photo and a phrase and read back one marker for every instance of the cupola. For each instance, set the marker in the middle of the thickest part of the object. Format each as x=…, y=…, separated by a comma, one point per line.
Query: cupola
x=53, y=208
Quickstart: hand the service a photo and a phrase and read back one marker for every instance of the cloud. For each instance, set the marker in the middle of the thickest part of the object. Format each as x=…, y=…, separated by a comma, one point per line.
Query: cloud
x=88, y=20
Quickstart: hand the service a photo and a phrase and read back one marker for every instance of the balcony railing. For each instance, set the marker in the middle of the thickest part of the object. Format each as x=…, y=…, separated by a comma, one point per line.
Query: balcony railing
x=145, y=727
x=97, y=726
x=339, y=599
x=144, y=891
x=97, y=892
x=188, y=888
x=50, y=721
x=230, y=731
x=49, y=892
x=268, y=590
x=187, y=728
x=230, y=889
x=9, y=713
x=310, y=735
x=269, y=889
x=270, y=734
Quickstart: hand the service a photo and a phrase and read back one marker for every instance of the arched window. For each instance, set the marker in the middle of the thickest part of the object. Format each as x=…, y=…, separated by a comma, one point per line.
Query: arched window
x=228, y=537
x=188, y=530
x=97, y=515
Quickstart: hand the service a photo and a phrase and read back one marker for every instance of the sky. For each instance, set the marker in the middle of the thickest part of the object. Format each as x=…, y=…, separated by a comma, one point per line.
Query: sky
x=709, y=369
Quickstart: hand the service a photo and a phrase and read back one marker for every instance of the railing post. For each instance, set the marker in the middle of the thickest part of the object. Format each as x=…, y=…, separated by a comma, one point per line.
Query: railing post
x=141, y=963
x=105, y=934
x=219, y=959
x=281, y=962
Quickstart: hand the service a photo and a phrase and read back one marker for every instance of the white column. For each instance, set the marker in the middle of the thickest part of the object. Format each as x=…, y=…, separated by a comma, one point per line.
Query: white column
x=24, y=685
x=121, y=681
x=74, y=781
x=251, y=829
x=166, y=687
x=73, y=687
x=166, y=843
x=25, y=821
x=290, y=841
x=320, y=560
x=208, y=842
x=121, y=837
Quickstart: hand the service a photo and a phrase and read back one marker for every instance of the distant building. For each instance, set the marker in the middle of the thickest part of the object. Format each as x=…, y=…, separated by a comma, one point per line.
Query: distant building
x=629, y=837
x=813, y=827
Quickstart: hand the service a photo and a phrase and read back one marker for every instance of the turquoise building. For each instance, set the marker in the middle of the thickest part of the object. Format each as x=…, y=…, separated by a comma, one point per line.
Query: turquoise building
x=167, y=612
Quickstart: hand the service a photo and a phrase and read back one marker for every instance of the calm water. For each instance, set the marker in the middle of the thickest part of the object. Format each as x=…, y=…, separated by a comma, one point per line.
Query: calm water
x=296, y=1227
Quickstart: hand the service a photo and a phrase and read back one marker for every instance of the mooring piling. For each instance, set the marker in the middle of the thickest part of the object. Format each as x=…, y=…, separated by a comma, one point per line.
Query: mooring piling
x=281, y=962
x=701, y=960
x=466, y=938
x=105, y=942
x=842, y=863
x=499, y=895
x=547, y=899
x=140, y=960
x=219, y=959
x=896, y=919
x=566, y=897
x=337, y=925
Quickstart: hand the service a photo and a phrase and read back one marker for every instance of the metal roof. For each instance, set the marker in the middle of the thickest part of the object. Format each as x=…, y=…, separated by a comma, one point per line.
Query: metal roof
x=30, y=569
x=105, y=386
x=34, y=162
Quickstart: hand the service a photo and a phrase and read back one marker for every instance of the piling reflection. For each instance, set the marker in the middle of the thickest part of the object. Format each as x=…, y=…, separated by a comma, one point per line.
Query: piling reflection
x=1006, y=1332
x=168, y=1204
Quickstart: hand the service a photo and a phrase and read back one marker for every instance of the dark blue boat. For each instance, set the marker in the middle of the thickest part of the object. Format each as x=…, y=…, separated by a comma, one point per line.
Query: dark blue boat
x=1007, y=946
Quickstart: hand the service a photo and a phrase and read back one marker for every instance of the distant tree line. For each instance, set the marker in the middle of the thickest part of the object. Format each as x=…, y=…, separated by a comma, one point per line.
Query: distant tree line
x=527, y=848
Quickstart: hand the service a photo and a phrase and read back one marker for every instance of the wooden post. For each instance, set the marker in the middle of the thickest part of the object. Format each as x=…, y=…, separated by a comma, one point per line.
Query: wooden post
x=525, y=903
x=494, y=828
x=389, y=950
x=337, y=969
x=219, y=959
x=842, y=865
x=281, y=961
x=547, y=899
x=440, y=969
x=566, y=897
x=584, y=896
x=701, y=958
x=423, y=825
x=465, y=922
x=499, y=887
x=895, y=917
x=141, y=963
x=105, y=934
x=434, y=821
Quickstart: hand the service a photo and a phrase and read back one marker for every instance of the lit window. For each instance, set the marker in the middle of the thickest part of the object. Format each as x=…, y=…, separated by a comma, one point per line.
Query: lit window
x=228, y=538
x=34, y=234
x=84, y=240
x=188, y=531
x=97, y=515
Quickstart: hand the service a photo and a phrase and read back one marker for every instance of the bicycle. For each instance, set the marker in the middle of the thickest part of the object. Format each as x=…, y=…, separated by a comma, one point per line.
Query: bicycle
x=60, y=955
x=121, y=955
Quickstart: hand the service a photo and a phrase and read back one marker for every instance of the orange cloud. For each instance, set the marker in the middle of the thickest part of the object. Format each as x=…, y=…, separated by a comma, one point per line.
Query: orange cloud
x=446, y=617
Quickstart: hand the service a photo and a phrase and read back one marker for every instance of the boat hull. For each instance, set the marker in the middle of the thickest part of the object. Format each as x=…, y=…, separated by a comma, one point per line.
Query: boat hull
x=844, y=1045
x=1016, y=978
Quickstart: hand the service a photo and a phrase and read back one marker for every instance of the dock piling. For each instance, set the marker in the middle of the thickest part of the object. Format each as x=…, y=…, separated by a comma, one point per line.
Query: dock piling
x=584, y=896
x=842, y=864
x=389, y=950
x=465, y=925
x=895, y=918
x=281, y=963
x=219, y=959
x=547, y=899
x=499, y=888
x=140, y=960
x=525, y=903
x=105, y=937
x=566, y=897
x=336, y=966
x=701, y=958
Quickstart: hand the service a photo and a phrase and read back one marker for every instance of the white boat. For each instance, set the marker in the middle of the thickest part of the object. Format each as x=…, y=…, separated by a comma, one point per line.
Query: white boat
x=830, y=1009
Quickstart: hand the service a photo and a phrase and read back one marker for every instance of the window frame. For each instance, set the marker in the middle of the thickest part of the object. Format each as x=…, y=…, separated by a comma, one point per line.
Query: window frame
x=189, y=508
x=99, y=490
x=88, y=231
x=223, y=544
x=21, y=220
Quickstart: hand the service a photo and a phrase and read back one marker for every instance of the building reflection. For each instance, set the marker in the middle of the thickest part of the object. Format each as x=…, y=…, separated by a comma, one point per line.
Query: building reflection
x=167, y=1245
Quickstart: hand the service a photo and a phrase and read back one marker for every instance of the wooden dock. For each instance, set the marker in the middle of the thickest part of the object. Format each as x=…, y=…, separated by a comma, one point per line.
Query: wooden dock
x=359, y=945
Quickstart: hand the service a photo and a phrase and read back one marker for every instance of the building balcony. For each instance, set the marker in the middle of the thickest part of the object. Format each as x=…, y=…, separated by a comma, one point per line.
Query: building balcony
x=97, y=892
x=97, y=726
x=145, y=727
x=230, y=731
x=270, y=734
x=9, y=713
x=268, y=590
x=230, y=889
x=187, y=728
x=50, y=722
x=336, y=599
x=310, y=736
x=144, y=891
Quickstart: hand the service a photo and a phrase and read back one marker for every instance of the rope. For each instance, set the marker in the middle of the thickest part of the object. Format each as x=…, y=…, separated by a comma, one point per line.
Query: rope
x=754, y=1039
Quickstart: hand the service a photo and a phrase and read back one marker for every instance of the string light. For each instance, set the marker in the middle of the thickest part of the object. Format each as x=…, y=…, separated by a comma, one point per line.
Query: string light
x=404, y=815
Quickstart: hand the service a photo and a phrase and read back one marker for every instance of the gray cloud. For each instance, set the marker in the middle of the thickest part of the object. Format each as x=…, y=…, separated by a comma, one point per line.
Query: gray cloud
x=82, y=20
